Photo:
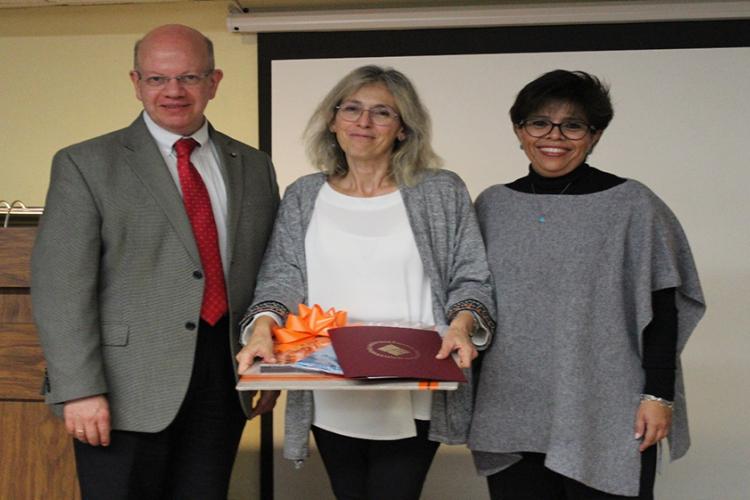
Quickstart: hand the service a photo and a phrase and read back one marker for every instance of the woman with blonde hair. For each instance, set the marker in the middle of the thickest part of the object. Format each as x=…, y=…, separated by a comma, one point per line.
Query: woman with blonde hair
x=384, y=234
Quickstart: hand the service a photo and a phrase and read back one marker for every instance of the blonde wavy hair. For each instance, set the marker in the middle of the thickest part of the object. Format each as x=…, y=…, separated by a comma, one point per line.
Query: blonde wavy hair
x=411, y=156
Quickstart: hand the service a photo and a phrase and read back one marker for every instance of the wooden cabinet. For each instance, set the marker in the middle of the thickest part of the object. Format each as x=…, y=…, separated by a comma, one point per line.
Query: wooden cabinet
x=36, y=454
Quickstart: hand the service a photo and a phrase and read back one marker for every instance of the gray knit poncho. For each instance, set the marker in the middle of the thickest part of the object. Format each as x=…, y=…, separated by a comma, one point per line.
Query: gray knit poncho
x=563, y=376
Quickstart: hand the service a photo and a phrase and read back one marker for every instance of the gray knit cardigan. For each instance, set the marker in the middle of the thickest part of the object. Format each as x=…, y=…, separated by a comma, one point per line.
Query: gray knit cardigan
x=447, y=235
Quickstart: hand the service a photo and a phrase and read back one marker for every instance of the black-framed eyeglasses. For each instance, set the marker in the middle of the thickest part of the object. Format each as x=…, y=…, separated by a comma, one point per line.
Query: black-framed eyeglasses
x=380, y=115
x=188, y=80
x=574, y=130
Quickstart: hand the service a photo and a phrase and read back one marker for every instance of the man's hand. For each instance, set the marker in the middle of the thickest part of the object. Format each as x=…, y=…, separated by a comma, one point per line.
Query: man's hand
x=265, y=403
x=87, y=420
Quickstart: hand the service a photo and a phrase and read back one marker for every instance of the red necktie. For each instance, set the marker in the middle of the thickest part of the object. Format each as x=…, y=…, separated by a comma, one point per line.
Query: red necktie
x=198, y=208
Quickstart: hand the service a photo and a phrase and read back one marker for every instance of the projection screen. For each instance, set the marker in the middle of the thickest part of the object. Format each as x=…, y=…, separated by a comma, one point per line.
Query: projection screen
x=679, y=92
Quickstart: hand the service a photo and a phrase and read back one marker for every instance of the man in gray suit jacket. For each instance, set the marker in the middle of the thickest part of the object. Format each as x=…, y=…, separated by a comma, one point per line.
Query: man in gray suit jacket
x=124, y=272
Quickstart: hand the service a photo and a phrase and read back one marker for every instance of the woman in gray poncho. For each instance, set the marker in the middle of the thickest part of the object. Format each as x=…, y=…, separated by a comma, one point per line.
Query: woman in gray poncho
x=383, y=234
x=597, y=294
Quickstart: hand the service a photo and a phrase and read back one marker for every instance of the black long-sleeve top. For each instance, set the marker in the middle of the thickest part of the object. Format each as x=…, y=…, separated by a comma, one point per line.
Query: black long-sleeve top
x=660, y=335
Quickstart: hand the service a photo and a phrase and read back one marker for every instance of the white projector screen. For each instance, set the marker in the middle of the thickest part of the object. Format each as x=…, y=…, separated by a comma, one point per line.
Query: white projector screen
x=680, y=127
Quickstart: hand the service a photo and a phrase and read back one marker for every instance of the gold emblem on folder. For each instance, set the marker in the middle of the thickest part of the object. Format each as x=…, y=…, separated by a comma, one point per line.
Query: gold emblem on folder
x=392, y=350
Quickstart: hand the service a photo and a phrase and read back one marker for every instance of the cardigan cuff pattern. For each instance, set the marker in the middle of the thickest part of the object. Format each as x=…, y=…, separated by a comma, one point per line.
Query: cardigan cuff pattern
x=475, y=307
x=267, y=306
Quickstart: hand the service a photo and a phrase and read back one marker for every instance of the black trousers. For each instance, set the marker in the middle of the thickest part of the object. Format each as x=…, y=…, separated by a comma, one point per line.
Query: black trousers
x=192, y=458
x=368, y=469
x=529, y=479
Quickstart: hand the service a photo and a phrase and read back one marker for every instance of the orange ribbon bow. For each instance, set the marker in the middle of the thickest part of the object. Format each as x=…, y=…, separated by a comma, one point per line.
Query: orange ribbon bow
x=311, y=322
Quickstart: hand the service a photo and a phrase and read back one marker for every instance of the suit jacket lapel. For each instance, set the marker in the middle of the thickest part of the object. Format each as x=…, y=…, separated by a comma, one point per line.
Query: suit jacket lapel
x=144, y=158
x=231, y=168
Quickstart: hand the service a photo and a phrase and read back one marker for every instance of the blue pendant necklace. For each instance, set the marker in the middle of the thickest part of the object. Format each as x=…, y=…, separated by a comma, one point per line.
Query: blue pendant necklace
x=541, y=218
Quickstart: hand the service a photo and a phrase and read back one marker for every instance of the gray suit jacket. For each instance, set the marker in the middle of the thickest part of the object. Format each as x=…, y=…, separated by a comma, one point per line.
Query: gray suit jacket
x=114, y=293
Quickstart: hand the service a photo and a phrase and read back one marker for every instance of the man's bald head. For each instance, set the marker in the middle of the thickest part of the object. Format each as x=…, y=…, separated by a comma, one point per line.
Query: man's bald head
x=170, y=33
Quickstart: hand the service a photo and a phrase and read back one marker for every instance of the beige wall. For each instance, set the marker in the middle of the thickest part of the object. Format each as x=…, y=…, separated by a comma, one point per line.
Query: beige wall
x=65, y=79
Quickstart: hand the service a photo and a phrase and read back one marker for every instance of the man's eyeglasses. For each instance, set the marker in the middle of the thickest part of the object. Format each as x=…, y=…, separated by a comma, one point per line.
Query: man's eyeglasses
x=571, y=129
x=380, y=115
x=189, y=80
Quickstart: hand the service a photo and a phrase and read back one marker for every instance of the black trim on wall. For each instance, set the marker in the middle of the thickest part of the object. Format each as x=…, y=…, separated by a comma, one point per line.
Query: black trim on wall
x=453, y=41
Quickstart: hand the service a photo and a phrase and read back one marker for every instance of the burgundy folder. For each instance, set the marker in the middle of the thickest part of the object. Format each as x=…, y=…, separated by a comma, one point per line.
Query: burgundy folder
x=387, y=351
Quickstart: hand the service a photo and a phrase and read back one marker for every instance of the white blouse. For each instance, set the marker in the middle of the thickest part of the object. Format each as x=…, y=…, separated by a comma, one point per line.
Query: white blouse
x=362, y=258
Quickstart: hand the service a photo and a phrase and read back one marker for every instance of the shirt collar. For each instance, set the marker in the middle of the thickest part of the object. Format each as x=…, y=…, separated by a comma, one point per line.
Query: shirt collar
x=166, y=139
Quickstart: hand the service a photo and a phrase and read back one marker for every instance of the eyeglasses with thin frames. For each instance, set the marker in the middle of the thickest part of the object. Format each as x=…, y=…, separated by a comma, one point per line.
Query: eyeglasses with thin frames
x=380, y=115
x=573, y=130
x=189, y=80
